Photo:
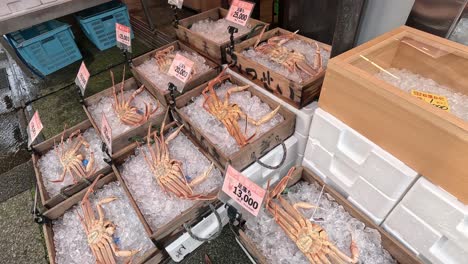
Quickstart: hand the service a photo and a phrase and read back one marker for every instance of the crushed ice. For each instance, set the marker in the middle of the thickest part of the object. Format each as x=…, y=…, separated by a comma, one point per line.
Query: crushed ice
x=105, y=106
x=458, y=102
x=217, y=31
x=303, y=47
x=161, y=79
x=70, y=239
x=51, y=168
x=217, y=132
x=157, y=207
x=277, y=247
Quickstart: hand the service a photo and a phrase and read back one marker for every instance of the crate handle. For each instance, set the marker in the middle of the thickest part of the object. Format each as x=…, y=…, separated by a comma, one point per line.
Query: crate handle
x=107, y=18
x=214, y=236
x=283, y=159
x=48, y=39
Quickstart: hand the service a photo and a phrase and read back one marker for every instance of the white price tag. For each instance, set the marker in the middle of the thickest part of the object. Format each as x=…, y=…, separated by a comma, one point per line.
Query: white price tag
x=82, y=78
x=34, y=128
x=240, y=12
x=123, y=37
x=106, y=132
x=181, y=68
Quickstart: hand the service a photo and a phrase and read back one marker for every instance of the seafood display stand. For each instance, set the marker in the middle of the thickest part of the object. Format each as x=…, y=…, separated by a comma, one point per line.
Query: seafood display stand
x=397, y=250
x=48, y=145
x=252, y=151
x=298, y=94
x=166, y=233
x=379, y=75
x=206, y=46
x=152, y=256
x=121, y=141
x=160, y=90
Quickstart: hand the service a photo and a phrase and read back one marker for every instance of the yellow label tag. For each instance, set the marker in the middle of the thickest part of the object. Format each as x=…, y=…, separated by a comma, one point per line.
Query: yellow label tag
x=434, y=99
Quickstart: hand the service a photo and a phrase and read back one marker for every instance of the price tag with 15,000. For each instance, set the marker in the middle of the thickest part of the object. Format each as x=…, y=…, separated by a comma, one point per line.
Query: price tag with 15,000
x=82, y=77
x=181, y=68
x=106, y=132
x=123, y=37
x=240, y=11
x=244, y=191
x=34, y=128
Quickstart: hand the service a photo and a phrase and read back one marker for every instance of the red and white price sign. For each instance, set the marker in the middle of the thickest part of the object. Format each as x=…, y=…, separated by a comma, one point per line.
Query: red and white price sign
x=240, y=12
x=82, y=78
x=123, y=37
x=34, y=128
x=106, y=132
x=244, y=191
x=181, y=68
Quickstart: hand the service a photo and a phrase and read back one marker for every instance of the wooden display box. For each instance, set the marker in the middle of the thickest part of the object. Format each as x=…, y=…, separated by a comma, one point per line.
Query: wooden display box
x=393, y=246
x=167, y=233
x=294, y=93
x=124, y=139
x=256, y=148
x=431, y=141
x=161, y=90
x=48, y=145
x=206, y=46
x=152, y=256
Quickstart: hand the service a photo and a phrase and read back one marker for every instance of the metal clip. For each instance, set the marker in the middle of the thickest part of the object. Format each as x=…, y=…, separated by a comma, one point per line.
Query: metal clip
x=232, y=30
x=172, y=90
x=104, y=149
x=235, y=219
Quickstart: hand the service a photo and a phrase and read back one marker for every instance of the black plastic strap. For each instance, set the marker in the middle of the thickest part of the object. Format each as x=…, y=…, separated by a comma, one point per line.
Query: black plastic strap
x=274, y=167
x=252, y=31
x=37, y=215
x=175, y=23
x=214, y=236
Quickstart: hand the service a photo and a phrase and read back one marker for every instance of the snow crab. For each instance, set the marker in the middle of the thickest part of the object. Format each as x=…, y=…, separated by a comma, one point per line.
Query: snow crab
x=164, y=60
x=311, y=239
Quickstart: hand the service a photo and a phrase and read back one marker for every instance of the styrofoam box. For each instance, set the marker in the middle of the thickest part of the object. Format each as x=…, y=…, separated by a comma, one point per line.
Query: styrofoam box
x=372, y=179
x=432, y=223
x=9, y=8
x=185, y=244
x=303, y=116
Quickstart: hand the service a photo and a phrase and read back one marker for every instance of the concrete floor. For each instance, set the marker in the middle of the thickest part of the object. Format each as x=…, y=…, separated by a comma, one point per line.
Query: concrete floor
x=57, y=100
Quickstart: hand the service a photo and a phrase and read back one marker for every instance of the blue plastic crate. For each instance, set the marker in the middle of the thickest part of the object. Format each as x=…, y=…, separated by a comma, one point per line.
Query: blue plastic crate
x=98, y=23
x=46, y=47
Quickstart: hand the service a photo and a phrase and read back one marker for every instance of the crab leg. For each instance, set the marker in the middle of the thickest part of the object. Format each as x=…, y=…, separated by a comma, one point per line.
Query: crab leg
x=265, y=118
x=202, y=177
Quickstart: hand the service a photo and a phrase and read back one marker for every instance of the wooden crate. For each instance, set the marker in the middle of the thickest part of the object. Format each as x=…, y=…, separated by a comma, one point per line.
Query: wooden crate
x=392, y=245
x=429, y=140
x=164, y=96
x=123, y=140
x=170, y=231
x=152, y=256
x=48, y=145
x=206, y=46
x=294, y=93
x=257, y=148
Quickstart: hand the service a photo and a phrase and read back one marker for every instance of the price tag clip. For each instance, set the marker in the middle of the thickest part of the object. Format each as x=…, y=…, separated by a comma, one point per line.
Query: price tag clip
x=232, y=30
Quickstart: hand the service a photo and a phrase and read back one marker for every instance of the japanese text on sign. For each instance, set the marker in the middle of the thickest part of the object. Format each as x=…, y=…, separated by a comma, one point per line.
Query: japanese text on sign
x=434, y=99
x=181, y=68
x=242, y=190
x=106, y=132
x=123, y=37
x=34, y=128
x=82, y=77
x=240, y=11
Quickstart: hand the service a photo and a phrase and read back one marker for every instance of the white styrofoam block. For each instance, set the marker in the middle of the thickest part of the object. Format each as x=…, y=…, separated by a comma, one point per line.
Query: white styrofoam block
x=206, y=228
x=303, y=116
x=432, y=223
x=368, y=176
x=301, y=142
x=299, y=160
x=260, y=174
